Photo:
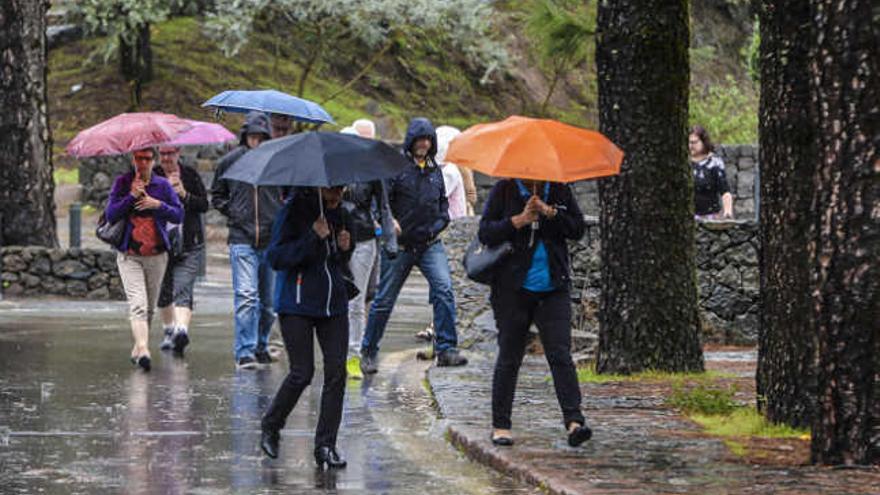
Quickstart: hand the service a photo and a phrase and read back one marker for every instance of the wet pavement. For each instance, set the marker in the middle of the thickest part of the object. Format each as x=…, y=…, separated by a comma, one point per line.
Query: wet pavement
x=639, y=446
x=75, y=417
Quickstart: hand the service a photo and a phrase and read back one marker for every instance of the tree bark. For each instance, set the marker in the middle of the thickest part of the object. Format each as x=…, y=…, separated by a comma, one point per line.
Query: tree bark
x=27, y=208
x=844, y=78
x=786, y=337
x=136, y=64
x=648, y=311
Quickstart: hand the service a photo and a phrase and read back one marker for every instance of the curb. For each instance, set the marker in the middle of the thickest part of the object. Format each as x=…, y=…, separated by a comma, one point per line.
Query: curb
x=517, y=470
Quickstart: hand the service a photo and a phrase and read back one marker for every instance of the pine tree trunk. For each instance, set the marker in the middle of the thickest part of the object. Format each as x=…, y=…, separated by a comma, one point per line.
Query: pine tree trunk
x=27, y=208
x=844, y=77
x=786, y=336
x=648, y=311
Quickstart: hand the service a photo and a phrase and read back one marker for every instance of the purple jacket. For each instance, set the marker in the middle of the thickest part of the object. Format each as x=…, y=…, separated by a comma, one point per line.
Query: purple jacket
x=121, y=203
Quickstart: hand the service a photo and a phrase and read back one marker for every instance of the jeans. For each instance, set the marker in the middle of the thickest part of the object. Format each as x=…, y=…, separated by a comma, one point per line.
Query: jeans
x=253, y=282
x=363, y=263
x=298, y=334
x=515, y=310
x=435, y=267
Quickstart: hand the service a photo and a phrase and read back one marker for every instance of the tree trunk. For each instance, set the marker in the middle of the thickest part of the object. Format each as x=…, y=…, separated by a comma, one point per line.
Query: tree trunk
x=136, y=63
x=844, y=78
x=27, y=208
x=786, y=337
x=648, y=312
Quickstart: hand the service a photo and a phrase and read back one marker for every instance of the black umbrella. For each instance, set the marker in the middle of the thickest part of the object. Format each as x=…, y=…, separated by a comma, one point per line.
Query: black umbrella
x=322, y=159
x=319, y=159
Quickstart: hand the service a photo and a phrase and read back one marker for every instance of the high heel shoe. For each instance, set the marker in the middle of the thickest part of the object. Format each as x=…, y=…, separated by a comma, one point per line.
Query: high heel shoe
x=327, y=457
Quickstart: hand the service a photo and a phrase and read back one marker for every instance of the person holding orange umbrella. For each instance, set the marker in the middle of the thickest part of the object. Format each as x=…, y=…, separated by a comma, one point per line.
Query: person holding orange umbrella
x=536, y=217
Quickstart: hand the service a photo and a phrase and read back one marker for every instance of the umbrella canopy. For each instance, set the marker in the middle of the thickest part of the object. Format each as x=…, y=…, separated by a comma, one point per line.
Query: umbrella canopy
x=127, y=132
x=538, y=149
x=270, y=101
x=319, y=159
x=201, y=133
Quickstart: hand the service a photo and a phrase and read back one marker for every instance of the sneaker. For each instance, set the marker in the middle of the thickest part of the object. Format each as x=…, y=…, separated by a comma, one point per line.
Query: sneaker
x=263, y=357
x=180, y=339
x=368, y=365
x=353, y=368
x=451, y=357
x=246, y=363
x=167, y=342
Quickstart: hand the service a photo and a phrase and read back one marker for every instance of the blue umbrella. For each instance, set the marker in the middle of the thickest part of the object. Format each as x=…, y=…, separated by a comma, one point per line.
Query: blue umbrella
x=270, y=101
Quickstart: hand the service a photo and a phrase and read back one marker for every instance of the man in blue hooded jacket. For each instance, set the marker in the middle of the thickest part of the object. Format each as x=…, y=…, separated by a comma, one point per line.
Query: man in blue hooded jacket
x=420, y=209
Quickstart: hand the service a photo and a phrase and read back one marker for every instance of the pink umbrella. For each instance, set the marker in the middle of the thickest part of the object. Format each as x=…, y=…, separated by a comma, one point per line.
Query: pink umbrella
x=127, y=132
x=201, y=133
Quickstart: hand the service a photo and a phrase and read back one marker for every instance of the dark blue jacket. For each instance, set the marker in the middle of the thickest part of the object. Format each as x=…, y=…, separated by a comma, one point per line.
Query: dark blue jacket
x=121, y=203
x=309, y=279
x=418, y=196
x=506, y=201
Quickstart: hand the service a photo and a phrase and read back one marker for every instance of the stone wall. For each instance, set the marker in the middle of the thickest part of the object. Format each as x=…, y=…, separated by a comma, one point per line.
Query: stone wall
x=77, y=273
x=740, y=163
x=727, y=272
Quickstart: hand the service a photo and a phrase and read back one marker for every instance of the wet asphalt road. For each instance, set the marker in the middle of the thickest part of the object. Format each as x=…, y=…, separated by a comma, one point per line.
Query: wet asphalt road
x=75, y=417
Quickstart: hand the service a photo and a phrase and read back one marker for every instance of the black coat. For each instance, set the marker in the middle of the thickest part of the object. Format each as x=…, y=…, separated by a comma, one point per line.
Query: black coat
x=310, y=271
x=506, y=201
x=418, y=195
x=195, y=203
x=363, y=201
x=249, y=210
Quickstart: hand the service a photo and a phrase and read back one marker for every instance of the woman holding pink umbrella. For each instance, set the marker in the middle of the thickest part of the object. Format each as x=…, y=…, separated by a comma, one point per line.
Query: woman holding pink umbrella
x=143, y=204
x=147, y=203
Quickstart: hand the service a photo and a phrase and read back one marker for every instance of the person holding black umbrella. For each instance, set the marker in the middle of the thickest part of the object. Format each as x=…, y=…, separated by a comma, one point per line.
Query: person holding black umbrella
x=310, y=247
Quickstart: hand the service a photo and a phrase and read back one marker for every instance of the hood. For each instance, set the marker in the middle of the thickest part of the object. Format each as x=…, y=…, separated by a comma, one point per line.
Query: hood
x=255, y=123
x=420, y=127
x=445, y=134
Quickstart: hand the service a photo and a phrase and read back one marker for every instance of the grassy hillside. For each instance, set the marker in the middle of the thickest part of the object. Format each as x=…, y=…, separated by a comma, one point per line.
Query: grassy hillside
x=416, y=77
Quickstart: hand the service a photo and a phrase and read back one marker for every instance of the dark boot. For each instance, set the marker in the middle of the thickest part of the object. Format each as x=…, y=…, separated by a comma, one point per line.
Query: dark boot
x=328, y=458
x=451, y=357
x=269, y=443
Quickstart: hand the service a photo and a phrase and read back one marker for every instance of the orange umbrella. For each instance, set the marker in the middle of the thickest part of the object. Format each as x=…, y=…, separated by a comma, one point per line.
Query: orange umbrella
x=538, y=149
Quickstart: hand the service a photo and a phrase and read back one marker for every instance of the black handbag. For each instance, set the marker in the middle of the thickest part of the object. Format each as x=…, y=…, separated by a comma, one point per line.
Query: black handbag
x=111, y=233
x=480, y=261
x=175, y=240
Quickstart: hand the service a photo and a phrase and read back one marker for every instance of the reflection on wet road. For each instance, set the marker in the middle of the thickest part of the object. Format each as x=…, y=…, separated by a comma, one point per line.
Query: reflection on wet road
x=75, y=417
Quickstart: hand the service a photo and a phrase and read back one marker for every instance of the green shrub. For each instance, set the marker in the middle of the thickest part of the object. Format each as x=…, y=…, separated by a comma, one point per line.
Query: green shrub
x=728, y=112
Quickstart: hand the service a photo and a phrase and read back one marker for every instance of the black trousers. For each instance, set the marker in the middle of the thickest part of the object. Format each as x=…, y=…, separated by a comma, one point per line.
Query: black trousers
x=514, y=313
x=332, y=336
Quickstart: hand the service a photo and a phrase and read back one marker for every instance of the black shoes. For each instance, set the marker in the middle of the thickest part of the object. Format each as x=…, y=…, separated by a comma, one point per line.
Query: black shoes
x=579, y=435
x=246, y=363
x=179, y=341
x=328, y=458
x=263, y=357
x=451, y=357
x=143, y=362
x=502, y=441
x=269, y=443
x=368, y=365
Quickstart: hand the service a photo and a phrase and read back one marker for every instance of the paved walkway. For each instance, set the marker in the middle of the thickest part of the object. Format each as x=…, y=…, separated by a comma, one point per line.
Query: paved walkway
x=639, y=446
x=76, y=418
